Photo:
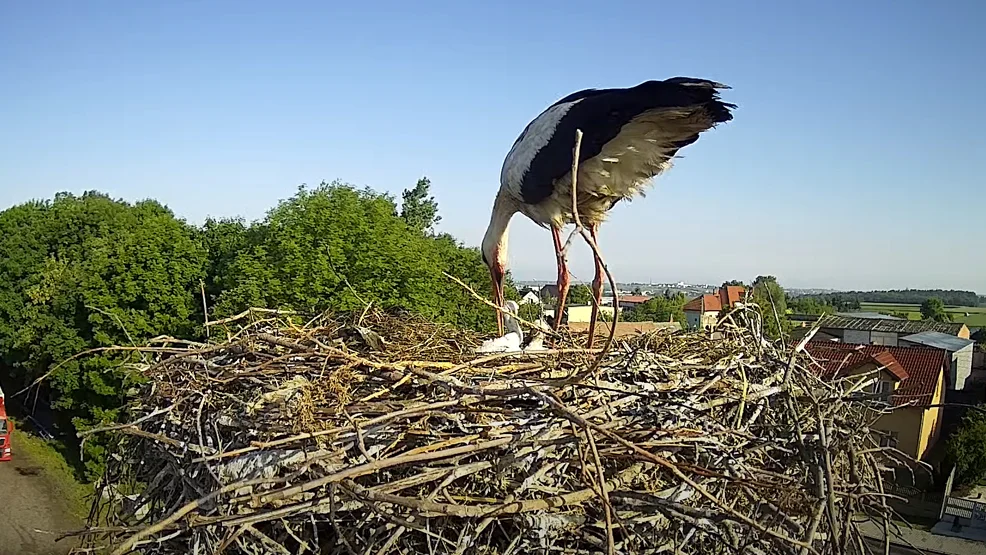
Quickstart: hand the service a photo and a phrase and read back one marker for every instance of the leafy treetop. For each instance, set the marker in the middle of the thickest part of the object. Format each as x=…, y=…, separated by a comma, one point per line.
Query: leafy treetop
x=83, y=272
x=934, y=309
x=966, y=447
x=659, y=309
x=420, y=211
x=772, y=300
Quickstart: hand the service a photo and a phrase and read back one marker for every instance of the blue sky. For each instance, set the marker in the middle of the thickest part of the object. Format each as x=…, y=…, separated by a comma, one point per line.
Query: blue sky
x=854, y=159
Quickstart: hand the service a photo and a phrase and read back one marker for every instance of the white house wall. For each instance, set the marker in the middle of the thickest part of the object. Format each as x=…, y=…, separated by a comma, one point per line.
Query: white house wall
x=962, y=362
x=694, y=319
x=856, y=337
x=584, y=313
x=887, y=338
x=709, y=319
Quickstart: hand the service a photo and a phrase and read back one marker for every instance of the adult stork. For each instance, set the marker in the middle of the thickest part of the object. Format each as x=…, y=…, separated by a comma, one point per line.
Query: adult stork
x=630, y=135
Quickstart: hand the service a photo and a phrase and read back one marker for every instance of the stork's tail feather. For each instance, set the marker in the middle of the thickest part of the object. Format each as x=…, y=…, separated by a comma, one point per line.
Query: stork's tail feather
x=719, y=111
x=706, y=93
x=695, y=82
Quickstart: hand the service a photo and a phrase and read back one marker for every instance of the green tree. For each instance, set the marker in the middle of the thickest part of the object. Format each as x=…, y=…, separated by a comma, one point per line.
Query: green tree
x=966, y=447
x=638, y=291
x=80, y=272
x=418, y=210
x=659, y=309
x=224, y=240
x=934, y=309
x=810, y=305
x=579, y=295
x=840, y=302
x=950, y=297
x=772, y=300
x=336, y=247
x=83, y=272
x=531, y=311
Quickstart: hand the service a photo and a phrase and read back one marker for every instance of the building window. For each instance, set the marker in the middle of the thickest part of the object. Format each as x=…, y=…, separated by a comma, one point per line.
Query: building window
x=883, y=339
x=884, y=387
x=888, y=439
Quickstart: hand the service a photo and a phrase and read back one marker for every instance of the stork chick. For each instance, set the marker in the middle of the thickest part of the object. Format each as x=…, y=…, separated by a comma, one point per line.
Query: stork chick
x=513, y=340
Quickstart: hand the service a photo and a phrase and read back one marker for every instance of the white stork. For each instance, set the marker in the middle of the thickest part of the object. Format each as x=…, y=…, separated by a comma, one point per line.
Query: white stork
x=630, y=135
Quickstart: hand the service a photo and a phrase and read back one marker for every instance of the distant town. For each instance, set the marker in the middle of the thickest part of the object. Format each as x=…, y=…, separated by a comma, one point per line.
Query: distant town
x=688, y=289
x=920, y=354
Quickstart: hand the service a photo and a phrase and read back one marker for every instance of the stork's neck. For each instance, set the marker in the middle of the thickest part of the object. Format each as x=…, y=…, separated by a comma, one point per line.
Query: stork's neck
x=495, y=241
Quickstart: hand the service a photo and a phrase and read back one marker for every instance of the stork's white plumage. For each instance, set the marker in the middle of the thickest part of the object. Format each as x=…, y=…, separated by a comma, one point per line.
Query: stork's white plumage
x=630, y=135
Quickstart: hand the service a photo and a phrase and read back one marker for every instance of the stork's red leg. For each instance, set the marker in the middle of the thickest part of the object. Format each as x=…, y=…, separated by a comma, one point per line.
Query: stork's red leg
x=597, y=285
x=562, y=276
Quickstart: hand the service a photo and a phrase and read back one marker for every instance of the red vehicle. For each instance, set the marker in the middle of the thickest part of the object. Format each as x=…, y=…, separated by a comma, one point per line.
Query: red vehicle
x=6, y=427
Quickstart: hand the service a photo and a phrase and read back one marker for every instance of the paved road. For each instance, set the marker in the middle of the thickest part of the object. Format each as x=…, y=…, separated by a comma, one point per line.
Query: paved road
x=877, y=547
x=31, y=512
x=925, y=542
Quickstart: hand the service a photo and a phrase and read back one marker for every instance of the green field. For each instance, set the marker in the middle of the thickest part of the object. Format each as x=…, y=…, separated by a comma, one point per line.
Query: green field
x=976, y=314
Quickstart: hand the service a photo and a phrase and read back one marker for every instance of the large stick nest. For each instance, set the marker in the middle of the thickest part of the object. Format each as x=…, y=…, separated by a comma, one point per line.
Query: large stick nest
x=381, y=434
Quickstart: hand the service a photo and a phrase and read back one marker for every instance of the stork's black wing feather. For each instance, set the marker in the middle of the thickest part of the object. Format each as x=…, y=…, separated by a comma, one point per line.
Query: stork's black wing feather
x=602, y=113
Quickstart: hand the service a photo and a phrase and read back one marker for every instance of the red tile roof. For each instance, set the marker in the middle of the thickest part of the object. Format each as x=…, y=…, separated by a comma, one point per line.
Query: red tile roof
x=549, y=291
x=726, y=296
x=920, y=366
x=634, y=299
x=731, y=294
x=887, y=360
x=705, y=303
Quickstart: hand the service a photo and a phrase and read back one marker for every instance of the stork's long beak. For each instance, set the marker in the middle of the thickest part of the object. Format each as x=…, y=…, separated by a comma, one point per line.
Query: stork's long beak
x=496, y=276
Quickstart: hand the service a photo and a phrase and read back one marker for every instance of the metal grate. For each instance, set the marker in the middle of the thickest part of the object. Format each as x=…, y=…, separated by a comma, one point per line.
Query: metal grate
x=966, y=508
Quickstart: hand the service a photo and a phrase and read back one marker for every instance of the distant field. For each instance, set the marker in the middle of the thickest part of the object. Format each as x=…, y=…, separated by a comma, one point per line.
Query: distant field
x=976, y=314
